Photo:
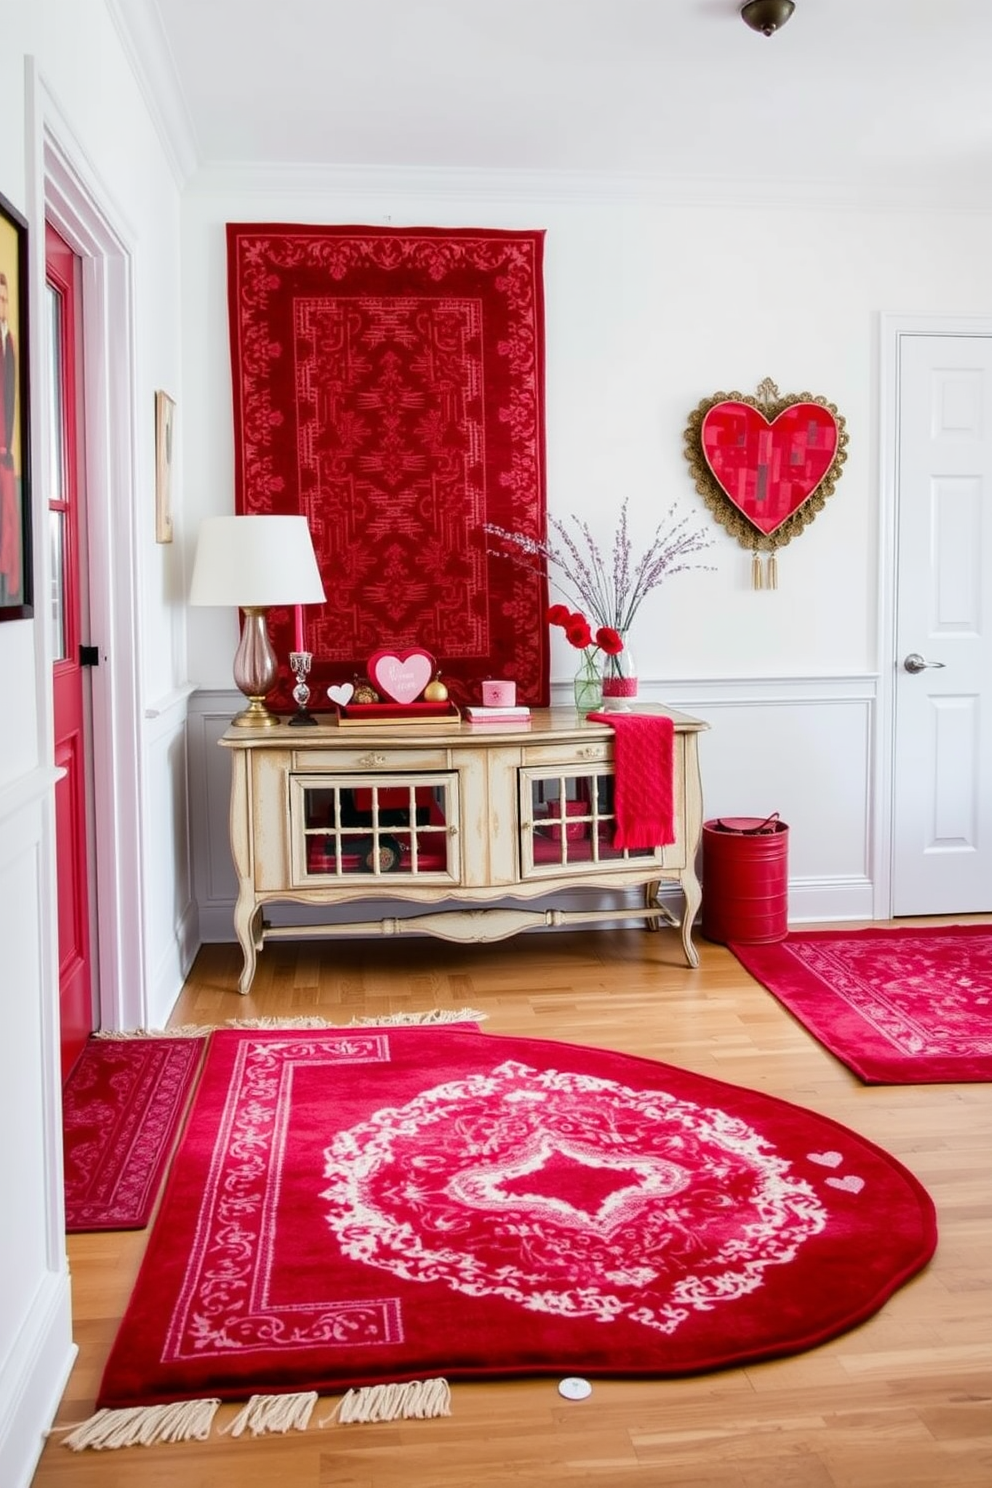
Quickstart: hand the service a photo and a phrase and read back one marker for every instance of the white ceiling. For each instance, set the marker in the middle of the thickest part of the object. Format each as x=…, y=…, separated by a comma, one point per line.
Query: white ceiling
x=877, y=94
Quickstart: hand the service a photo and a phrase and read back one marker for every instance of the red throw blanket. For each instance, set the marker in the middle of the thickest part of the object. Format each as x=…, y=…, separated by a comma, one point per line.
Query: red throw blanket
x=643, y=770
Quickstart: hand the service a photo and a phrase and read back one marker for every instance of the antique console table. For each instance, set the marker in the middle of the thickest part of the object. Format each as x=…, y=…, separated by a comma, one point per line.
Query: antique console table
x=453, y=816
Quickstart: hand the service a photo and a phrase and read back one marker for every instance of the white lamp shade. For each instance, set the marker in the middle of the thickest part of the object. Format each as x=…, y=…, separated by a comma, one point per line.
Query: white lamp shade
x=258, y=561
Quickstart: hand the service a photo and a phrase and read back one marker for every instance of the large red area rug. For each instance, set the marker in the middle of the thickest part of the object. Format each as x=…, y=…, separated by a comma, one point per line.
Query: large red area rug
x=393, y=1204
x=121, y=1109
x=389, y=385
x=910, y=1006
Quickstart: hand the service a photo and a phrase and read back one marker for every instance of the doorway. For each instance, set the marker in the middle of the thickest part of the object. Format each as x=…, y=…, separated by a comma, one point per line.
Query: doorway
x=940, y=597
x=68, y=618
x=74, y=205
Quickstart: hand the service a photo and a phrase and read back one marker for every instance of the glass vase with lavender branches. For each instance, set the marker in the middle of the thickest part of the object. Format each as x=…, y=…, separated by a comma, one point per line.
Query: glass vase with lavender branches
x=609, y=594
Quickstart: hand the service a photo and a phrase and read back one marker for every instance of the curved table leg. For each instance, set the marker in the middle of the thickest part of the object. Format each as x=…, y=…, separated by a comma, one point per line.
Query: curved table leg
x=246, y=917
x=693, y=893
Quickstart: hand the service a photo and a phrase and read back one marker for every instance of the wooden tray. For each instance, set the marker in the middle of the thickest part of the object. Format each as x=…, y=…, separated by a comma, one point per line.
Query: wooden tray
x=372, y=714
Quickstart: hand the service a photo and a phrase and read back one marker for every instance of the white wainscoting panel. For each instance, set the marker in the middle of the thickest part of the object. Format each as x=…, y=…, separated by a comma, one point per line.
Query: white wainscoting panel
x=36, y=1349
x=215, y=886
x=172, y=934
x=802, y=748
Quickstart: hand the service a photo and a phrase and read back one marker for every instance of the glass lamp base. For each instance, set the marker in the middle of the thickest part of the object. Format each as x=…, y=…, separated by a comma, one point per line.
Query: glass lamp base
x=300, y=662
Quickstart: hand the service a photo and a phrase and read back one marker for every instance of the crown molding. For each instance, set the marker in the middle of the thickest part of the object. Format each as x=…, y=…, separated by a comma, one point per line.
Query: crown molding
x=272, y=180
x=138, y=24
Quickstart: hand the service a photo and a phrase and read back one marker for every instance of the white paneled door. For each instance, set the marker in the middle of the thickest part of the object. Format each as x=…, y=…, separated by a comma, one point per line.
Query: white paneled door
x=942, y=799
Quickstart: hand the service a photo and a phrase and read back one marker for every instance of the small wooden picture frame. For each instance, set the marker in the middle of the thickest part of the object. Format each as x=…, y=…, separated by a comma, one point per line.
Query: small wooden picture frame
x=165, y=428
x=16, y=567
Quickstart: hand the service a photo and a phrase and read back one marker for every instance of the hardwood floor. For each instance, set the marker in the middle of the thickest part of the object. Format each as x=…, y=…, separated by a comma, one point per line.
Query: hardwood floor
x=904, y=1401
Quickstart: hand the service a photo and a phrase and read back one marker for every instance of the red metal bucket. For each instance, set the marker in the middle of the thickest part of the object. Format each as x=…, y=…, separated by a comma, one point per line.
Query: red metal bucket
x=745, y=879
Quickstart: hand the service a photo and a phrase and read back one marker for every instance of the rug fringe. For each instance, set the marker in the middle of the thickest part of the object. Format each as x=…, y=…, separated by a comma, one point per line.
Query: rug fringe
x=278, y=1023
x=388, y=1020
x=418, y=1400
x=185, y=1030
x=143, y=1426
x=436, y=1015
x=265, y=1413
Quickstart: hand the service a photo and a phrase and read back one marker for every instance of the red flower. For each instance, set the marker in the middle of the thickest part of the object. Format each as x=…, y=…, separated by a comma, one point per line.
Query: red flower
x=578, y=632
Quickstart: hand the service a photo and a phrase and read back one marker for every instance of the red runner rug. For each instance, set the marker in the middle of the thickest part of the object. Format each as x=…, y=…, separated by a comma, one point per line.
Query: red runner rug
x=121, y=1109
x=911, y=1006
x=389, y=385
x=393, y=1204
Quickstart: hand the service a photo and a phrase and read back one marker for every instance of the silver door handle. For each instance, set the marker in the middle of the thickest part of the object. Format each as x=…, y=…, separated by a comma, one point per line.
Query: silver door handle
x=916, y=663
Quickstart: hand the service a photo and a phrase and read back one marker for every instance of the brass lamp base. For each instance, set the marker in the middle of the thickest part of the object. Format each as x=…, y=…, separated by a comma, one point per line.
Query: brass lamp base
x=255, y=670
x=256, y=715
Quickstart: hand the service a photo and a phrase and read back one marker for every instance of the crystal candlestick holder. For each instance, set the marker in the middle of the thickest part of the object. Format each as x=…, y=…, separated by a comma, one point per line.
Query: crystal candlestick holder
x=300, y=664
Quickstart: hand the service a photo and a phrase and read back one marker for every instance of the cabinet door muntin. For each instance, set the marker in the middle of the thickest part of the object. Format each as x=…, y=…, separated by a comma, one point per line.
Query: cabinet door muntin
x=568, y=822
x=372, y=826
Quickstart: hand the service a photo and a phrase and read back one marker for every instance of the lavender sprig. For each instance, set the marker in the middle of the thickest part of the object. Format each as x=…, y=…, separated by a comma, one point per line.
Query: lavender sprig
x=610, y=597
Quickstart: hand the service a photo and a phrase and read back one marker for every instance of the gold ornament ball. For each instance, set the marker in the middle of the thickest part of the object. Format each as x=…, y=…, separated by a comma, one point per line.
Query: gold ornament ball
x=365, y=694
x=436, y=692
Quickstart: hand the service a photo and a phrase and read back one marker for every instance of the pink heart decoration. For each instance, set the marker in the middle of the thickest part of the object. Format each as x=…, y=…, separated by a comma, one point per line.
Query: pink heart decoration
x=341, y=693
x=850, y=1184
x=401, y=675
x=769, y=468
x=826, y=1159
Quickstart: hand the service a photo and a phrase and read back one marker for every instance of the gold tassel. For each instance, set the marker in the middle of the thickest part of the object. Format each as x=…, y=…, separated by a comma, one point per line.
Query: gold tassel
x=756, y=577
x=772, y=570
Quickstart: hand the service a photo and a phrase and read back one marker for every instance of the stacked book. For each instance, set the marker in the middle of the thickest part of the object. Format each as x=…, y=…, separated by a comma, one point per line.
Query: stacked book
x=518, y=717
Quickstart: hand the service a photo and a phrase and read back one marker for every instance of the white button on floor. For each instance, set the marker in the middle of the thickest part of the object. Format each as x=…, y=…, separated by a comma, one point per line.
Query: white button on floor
x=575, y=1389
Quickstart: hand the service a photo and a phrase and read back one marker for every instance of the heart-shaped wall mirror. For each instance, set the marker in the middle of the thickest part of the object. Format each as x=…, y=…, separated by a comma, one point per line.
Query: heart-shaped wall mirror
x=765, y=466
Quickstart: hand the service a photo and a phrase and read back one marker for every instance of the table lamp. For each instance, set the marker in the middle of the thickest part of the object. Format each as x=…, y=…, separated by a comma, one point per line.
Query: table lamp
x=255, y=563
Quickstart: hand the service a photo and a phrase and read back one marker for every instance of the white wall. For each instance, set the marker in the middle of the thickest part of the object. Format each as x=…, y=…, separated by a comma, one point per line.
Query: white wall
x=653, y=303
x=651, y=306
x=63, y=70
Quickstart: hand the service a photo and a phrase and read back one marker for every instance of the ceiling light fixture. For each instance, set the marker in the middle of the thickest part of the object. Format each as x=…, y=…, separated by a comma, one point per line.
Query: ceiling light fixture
x=767, y=16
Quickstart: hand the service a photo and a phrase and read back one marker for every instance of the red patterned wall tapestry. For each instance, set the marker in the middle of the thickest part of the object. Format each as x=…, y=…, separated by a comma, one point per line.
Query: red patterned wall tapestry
x=389, y=385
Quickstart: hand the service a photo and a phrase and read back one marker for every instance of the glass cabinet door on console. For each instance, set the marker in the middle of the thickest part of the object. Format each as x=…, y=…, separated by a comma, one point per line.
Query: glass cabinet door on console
x=568, y=821
x=358, y=827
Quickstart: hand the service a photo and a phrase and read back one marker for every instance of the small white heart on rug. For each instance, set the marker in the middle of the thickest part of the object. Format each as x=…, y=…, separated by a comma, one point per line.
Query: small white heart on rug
x=341, y=693
x=849, y=1185
x=826, y=1159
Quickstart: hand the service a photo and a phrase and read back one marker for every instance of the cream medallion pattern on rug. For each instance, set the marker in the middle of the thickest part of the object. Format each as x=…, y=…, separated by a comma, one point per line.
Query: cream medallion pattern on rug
x=568, y=1194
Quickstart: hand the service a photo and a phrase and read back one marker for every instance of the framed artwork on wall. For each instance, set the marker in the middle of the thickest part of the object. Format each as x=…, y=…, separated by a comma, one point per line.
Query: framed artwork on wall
x=165, y=423
x=15, y=445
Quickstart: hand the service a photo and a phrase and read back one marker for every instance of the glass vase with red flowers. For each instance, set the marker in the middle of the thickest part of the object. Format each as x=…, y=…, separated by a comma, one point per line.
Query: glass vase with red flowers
x=596, y=648
x=609, y=589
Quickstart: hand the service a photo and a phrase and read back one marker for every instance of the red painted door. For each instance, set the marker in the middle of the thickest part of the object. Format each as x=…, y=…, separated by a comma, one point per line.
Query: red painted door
x=65, y=540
